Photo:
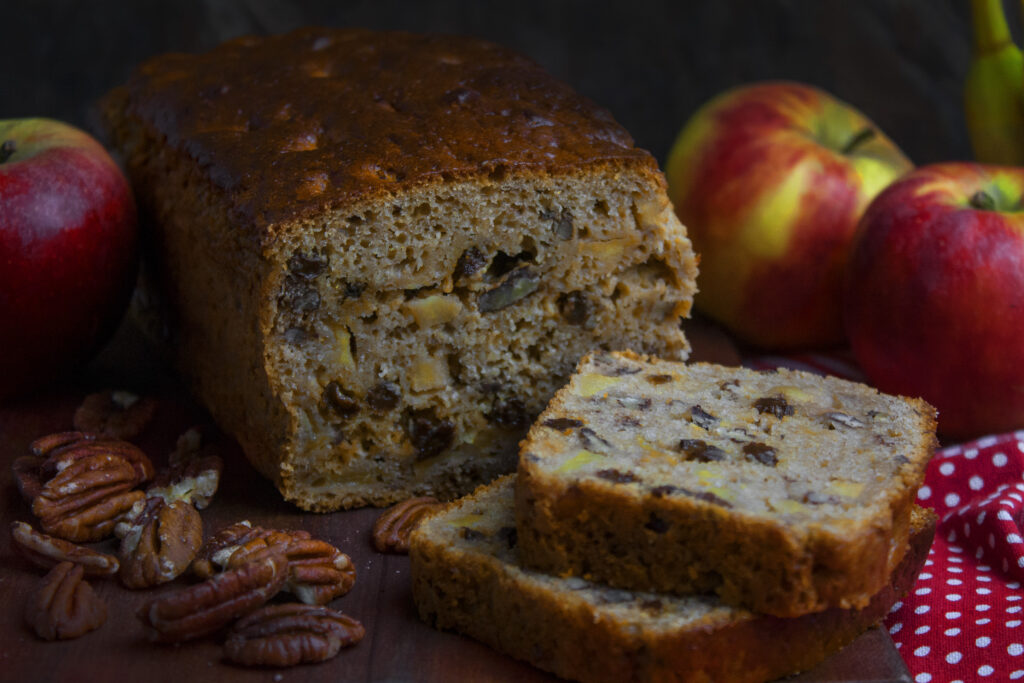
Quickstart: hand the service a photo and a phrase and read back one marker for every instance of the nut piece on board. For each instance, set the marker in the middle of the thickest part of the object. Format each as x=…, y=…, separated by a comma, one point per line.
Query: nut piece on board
x=392, y=529
x=47, y=552
x=290, y=634
x=85, y=500
x=207, y=607
x=64, y=606
x=117, y=414
x=193, y=475
x=158, y=541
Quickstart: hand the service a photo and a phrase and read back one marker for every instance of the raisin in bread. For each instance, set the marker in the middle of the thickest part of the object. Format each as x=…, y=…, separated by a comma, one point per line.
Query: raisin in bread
x=783, y=492
x=466, y=578
x=383, y=252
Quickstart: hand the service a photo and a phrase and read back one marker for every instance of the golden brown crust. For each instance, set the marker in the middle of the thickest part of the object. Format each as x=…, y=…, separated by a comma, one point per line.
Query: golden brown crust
x=346, y=114
x=555, y=625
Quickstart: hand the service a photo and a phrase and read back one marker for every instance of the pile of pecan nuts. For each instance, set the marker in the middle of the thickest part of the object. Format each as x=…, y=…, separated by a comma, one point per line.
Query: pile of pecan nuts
x=84, y=486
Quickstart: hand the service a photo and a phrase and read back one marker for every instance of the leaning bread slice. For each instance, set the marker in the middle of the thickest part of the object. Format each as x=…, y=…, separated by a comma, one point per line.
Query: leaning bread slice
x=466, y=578
x=782, y=491
x=383, y=252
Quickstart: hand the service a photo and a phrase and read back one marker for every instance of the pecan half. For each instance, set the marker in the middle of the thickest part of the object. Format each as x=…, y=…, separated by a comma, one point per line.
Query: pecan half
x=47, y=552
x=290, y=634
x=117, y=414
x=158, y=542
x=317, y=571
x=64, y=448
x=392, y=529
x=85, y=500
x=209, y=606
x=193, y=475
x=218, y=549
x=64, y=606
x=28, y=476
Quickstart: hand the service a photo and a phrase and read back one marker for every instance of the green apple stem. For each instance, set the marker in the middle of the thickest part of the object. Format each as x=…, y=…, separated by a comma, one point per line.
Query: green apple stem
x=7, y=150
x=982, y=200
x=857, y=140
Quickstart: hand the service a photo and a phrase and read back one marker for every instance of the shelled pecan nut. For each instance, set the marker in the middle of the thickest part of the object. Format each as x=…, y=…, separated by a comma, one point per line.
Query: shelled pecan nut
x=392, y=529
x=64, y=606
x=85, y=500
x=192, y=476
x=207, y=607
x=54, y=452
x=48, y=551
x=158, y=542
x=117, y=414
x=317, y=571
x=28, y=476
x=63, y=448
x=219, y=548
x=290, y=634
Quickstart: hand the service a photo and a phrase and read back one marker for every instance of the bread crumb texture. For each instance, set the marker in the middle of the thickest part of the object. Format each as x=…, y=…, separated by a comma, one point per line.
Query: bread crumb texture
x=781, y=491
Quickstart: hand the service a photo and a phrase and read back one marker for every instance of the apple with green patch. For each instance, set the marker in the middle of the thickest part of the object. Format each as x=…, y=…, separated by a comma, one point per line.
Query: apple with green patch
x=68, y=251
x=934, y=294
x=770, y=180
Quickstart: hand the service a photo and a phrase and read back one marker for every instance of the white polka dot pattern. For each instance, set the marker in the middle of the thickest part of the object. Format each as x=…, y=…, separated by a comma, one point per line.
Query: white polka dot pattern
x=961, y=621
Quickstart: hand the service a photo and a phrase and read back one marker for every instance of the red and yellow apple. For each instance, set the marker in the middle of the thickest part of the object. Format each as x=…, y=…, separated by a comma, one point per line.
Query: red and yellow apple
x=770, y=180
x=934, y=294
x=68, y=252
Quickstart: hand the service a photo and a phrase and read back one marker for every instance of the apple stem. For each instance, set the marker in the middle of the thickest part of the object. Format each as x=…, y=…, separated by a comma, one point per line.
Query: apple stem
x=857, y=140
x=982, y=200
x=7, y=150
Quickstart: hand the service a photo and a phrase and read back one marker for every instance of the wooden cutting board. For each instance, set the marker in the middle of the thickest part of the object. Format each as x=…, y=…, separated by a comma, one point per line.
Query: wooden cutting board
x=397, y=646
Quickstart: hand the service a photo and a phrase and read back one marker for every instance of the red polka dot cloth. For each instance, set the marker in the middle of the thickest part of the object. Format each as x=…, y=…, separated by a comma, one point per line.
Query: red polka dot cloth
x=964, y=618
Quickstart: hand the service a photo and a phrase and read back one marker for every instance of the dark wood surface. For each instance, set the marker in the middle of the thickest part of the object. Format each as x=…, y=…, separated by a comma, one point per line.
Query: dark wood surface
x=397, y=647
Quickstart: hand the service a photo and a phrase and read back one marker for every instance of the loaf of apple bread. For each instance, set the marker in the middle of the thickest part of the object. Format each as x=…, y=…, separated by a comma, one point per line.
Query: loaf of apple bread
x=466, y=577
x=383, y=252
x=783, y=492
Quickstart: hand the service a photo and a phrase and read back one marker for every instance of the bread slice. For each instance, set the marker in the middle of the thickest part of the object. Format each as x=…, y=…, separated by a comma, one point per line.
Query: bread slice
x=466, y=578
x=383, y=252
x=782, y=491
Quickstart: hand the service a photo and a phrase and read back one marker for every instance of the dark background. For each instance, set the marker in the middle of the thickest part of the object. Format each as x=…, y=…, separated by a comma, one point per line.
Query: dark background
x=652, y=62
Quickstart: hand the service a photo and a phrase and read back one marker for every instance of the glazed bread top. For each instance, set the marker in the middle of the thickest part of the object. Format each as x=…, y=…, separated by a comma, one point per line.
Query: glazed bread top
x=288, y=126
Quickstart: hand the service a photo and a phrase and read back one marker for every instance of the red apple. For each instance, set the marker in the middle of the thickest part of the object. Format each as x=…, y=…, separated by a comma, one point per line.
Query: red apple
x=934, y=294
x=68, y=253
x=770, y=180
